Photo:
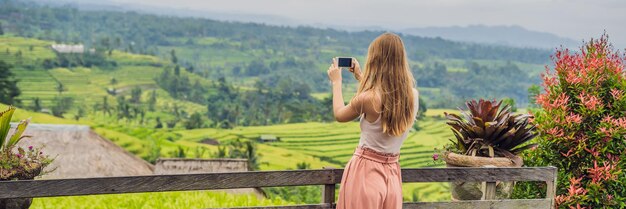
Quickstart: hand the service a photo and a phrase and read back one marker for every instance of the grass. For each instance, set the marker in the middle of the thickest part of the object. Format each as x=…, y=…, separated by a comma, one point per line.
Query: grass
x=169, y=200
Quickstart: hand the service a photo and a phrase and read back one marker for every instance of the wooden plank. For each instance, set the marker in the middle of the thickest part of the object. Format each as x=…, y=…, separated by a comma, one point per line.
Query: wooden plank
x=328, y=190
x=475, y=204
x=478, y=174
x=328, y=193
x=160, y=183
x=489, y=188
x=551, y=188
x=483, y=204
x=211, y=181
x=489, y=191
x=318, y=206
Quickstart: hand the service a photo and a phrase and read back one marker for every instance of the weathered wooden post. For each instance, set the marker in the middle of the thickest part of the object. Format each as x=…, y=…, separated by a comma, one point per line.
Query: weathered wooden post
x=328, y=190
x=551, y=187
x=489, y=188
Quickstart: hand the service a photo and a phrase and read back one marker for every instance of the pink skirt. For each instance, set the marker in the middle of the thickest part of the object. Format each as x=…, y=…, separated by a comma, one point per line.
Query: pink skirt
x=371, y=180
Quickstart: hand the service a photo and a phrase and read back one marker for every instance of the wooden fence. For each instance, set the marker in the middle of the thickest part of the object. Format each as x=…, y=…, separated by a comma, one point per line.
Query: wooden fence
x=326, y=177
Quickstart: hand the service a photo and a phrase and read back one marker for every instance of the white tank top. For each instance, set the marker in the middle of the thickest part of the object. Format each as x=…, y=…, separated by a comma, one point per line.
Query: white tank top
x=372, y=135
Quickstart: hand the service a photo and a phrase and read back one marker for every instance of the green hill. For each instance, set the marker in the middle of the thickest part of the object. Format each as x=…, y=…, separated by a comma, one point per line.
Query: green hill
x=184, y=87
x=317, y=144
x=248, y=54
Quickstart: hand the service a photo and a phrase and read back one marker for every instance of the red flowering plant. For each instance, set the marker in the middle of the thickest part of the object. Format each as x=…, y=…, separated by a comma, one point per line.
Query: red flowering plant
x=582, y=122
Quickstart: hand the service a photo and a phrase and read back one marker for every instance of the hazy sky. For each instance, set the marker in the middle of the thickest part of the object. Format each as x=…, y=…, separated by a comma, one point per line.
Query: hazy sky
x=576, y=19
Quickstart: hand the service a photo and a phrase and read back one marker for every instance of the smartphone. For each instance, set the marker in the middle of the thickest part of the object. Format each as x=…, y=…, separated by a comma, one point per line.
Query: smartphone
x=344, y=62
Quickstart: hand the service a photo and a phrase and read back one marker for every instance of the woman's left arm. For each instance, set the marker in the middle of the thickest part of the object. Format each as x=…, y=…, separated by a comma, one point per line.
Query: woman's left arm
x=342, y=112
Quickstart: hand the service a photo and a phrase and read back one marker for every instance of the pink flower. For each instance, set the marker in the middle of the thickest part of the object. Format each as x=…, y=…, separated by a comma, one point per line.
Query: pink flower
x=18, y=155
x=435, y=156
x=30, y=148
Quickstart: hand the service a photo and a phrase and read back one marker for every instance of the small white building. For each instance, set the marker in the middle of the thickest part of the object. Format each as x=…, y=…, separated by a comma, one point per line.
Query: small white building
x=68, y=49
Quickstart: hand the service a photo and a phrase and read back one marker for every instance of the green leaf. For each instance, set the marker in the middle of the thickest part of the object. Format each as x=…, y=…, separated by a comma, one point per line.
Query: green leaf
x=17, y=134
x=5, y=125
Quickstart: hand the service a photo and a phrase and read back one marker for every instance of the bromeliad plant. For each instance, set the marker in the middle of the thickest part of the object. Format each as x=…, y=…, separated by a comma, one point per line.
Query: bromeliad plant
x=486, y=130
x=17, y=162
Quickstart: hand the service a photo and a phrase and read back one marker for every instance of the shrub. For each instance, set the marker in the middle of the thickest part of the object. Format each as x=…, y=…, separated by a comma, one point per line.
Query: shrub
x=582, y=122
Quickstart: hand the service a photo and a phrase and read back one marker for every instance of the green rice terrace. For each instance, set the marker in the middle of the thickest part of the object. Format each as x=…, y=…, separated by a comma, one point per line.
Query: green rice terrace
x=314, y=144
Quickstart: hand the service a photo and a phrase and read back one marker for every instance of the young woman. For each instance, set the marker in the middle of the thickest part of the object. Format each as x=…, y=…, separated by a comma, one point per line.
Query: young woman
x=386, y=102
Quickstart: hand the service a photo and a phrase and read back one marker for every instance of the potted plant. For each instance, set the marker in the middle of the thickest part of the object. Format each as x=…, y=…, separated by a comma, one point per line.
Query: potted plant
x=18, y=163
x=486, y=135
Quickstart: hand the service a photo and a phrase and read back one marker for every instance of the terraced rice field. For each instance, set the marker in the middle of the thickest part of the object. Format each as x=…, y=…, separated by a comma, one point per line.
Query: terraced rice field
x=319, y=144
x=332, y=144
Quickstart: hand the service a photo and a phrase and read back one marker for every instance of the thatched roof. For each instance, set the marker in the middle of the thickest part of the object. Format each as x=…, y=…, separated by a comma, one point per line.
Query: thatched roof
x=80, y=152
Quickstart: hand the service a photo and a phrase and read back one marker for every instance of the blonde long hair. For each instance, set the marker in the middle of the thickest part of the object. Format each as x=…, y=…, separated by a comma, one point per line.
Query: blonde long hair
x=387, y=73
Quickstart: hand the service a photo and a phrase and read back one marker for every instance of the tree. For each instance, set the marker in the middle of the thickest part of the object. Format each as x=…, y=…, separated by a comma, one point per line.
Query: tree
x=60, y=88
x=159, y=124
x=152, y=101
x=123, y=109
x=1, y=29
x=174, y=58
x=135, y=95
x=118, y=42
x=179, y=153
x=533, y=91
x=154, y=153
x=79, y=113
x=177, y=70
x=106, y=108
x=36, y=105
x=303, y=165
x=113, y=81
x=61, y=105
x=194, y=121
x=510, y=102
x=8, y=84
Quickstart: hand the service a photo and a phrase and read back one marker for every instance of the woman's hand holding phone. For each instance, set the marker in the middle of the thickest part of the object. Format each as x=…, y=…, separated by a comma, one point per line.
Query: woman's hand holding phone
x=356, y=69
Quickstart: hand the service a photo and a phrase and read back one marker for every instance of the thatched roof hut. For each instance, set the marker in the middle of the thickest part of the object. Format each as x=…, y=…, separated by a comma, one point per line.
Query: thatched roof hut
x=189, y=166
x=80, y=152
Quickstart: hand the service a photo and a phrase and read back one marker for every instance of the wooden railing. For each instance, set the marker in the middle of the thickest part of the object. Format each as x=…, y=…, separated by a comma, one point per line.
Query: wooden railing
x=326, y=177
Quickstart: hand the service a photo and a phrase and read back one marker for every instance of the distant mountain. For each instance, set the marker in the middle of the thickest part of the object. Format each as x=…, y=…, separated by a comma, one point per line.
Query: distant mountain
x=515, y=36
x=501, y=35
